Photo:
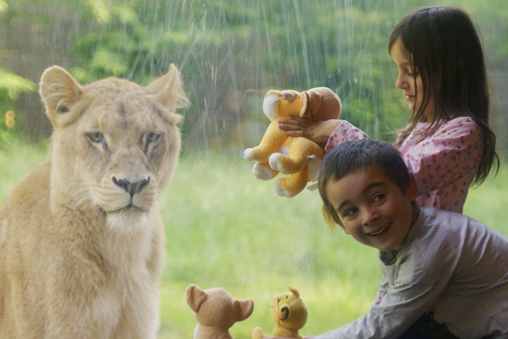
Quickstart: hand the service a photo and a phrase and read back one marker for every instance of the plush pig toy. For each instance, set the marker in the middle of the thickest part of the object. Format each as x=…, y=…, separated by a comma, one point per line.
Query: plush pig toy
x=216, y=311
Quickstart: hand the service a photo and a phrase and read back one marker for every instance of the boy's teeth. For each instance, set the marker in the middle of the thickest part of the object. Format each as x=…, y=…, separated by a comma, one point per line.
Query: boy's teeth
x=380, y=231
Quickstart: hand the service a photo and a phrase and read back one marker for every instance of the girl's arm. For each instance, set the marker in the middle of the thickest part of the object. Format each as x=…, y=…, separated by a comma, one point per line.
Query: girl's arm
x=453, y=152
x=327, y=134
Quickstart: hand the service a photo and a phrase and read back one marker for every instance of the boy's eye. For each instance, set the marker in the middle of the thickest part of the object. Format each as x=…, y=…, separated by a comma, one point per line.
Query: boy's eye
x=349, y=212
x=378, y=197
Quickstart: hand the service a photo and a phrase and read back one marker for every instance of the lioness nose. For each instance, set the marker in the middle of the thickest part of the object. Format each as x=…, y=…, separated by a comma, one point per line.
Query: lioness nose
x=131, y=187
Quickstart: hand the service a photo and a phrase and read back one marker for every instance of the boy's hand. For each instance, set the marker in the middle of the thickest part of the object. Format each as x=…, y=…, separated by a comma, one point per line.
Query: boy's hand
x=317, y=131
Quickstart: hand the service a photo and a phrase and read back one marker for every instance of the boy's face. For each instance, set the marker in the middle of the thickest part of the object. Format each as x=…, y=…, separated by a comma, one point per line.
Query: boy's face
x=372, y=208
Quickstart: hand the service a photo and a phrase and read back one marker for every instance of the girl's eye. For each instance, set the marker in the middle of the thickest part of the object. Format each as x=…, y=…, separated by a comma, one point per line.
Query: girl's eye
x=95, y=137
x=411, y=74
x=152, y=137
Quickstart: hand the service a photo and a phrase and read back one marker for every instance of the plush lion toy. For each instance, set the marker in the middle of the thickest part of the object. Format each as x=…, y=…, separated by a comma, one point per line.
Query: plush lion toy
x=289, y=313
x=297, y=156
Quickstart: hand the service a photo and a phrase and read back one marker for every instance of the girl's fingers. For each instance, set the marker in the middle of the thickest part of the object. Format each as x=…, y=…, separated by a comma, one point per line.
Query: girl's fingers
x=298, y=134
x=289, y=127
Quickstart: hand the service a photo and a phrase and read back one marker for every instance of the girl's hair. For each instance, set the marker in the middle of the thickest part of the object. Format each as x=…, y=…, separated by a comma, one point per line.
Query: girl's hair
x=444, y=48
x=359, y=155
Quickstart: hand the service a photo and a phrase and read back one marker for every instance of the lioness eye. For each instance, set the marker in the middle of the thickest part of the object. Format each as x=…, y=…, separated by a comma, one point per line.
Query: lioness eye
x=63, y=109
x=95, y=137
x=152, y=137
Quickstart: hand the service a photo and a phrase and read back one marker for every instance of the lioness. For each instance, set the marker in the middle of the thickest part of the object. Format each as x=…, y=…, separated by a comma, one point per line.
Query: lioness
x=81, y=237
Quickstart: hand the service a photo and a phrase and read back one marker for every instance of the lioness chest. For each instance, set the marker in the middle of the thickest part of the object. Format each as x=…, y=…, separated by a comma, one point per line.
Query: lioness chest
x=71, y=258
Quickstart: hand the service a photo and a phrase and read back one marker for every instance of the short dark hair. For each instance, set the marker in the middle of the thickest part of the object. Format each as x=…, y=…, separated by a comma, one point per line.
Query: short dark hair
x=360, y=155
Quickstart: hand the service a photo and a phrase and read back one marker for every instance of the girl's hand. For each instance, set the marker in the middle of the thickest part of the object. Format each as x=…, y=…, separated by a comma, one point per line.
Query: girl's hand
x=317, y=131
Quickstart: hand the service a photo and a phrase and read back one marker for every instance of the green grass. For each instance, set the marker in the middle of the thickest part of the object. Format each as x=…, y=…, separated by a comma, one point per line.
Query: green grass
x=225, y=228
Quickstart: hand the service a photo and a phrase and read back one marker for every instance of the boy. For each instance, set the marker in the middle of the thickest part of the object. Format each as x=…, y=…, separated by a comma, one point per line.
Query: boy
x=443, y=273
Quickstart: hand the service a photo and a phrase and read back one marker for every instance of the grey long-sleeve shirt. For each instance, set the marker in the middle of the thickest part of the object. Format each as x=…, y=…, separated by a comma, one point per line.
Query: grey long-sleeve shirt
x=449, y=264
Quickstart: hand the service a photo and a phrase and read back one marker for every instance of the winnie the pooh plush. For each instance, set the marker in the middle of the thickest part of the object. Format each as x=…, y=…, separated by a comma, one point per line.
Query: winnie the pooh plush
x=297, y=156
x=216, y=311
x=289, y=313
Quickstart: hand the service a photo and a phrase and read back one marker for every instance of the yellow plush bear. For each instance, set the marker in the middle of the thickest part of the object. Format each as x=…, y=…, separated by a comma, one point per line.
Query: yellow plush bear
x=297, y=156
x=289, y=313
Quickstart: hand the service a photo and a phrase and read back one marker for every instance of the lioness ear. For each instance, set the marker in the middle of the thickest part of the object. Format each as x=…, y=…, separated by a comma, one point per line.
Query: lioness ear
x=168, y=90
x=59, y=92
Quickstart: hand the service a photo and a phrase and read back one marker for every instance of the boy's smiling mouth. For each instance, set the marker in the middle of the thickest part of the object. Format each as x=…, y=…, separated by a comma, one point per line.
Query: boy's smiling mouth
x=381, y=231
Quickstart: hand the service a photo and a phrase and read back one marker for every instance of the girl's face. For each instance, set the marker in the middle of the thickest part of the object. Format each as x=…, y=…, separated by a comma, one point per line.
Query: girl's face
x=409, y=82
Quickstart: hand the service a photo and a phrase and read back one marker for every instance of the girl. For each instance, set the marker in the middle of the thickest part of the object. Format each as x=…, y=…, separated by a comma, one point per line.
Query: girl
x=448, y=143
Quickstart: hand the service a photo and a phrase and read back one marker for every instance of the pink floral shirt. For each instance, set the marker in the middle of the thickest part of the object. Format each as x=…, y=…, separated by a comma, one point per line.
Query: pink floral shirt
x=444, y=164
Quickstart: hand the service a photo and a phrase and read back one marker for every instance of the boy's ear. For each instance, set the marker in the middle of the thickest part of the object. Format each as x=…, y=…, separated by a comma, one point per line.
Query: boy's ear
x=412, y=190
x=345, y=229
x=328, y=218
x=330, y=221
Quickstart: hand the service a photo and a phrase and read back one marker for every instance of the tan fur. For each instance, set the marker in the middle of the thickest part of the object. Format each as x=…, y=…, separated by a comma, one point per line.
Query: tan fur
x=75, y=261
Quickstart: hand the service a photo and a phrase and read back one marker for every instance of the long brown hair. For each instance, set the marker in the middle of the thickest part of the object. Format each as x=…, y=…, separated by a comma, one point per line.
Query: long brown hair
x=444, y=47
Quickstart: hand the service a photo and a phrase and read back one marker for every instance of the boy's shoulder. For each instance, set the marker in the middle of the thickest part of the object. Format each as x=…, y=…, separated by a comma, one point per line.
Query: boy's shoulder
x=438, y=228
x=434, y=217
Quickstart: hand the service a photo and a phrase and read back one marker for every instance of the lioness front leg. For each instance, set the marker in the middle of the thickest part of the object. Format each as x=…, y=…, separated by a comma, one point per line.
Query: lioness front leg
x=66, y=321
x=81, y=301
x=139, y=322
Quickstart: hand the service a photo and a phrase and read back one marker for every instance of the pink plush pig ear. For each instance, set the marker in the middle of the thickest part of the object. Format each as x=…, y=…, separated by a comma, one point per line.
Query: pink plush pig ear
x=311, y=104
x=244, y=308
x=320, y=103
x=195, y=297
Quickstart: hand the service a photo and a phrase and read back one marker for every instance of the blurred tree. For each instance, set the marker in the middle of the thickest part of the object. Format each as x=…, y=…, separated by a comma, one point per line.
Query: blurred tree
x=231, y=52
x=11, y=85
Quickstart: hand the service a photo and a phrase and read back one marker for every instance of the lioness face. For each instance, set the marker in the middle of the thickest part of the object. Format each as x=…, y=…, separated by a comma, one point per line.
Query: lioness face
x=124, y=148
x=117, y=142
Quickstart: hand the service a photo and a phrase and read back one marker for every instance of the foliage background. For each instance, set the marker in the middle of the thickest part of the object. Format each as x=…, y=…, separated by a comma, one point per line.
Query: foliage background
x=226, y=228
x=230, y=53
